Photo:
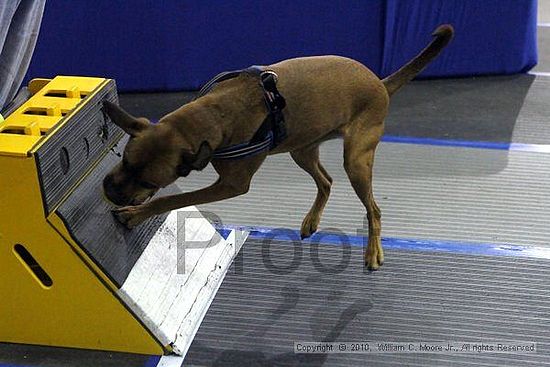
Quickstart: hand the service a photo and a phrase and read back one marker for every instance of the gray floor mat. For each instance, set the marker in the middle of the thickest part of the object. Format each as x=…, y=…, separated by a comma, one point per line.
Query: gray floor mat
x=425, y=192
x=259, y=313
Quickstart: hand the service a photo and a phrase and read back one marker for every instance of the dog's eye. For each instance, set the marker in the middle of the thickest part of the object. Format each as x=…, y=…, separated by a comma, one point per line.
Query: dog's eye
x=147, y=185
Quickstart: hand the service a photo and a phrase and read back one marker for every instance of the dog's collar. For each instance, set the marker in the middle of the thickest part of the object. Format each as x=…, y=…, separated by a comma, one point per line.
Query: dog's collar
x=272, y=131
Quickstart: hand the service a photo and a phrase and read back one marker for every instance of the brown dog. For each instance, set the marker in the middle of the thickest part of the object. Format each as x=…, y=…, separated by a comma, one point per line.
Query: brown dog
x=327, y=96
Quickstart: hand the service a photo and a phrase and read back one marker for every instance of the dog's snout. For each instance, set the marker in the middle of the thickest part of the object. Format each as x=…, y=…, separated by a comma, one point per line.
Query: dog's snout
x=112, y=193
x=107, y=182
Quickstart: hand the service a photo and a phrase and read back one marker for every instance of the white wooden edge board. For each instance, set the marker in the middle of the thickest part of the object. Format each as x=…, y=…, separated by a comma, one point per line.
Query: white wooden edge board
x=171, y=304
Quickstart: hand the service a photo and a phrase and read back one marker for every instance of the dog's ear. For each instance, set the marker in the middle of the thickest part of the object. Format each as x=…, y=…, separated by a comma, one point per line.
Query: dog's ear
x=202, y=157
x=130, y=124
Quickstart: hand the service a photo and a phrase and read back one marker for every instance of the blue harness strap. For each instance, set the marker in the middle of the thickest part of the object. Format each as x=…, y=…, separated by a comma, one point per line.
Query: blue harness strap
x=272, y=131
x=245, y=149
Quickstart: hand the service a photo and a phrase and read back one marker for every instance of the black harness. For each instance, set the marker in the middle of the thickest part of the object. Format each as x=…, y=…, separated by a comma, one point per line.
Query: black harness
x=272, y=131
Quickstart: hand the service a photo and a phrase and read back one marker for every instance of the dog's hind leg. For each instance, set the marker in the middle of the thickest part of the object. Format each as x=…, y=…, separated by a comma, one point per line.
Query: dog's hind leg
x=308, y=160
x=360, y=141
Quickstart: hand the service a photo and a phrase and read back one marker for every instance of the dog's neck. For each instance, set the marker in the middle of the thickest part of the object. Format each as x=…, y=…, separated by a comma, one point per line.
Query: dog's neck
x=223, y=117
x=194, y=124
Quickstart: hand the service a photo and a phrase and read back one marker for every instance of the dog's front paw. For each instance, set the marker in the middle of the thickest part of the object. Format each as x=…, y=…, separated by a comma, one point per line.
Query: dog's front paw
x=131, y=216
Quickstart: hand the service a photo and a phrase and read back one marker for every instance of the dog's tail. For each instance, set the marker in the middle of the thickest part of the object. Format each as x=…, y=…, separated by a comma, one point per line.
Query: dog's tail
x=443, y=35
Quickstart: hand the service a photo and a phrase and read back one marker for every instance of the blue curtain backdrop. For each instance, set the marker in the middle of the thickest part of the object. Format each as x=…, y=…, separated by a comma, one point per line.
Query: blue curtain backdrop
x=178, y=45
x=492, y=36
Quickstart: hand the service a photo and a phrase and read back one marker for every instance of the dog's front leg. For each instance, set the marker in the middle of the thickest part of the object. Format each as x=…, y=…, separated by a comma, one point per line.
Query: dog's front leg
x=131, y=216
x=234, y=180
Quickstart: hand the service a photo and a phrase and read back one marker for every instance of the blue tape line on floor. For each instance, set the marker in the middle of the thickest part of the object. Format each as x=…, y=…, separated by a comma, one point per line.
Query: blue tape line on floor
x=224, y=232
x=152, y=361
x=339, y=239
x=541, y=148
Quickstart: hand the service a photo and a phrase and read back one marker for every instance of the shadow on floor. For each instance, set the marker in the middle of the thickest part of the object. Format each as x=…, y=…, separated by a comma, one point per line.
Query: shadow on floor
x=475, y=109
x=30, y=355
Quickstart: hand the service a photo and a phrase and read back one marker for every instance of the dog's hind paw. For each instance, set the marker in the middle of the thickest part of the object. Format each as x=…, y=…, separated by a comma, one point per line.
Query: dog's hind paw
x=374, y=265
x=374, y=259
x=380, y=256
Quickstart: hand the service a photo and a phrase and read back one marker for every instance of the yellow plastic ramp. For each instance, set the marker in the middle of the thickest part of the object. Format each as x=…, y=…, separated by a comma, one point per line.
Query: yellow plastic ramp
x=73, y=276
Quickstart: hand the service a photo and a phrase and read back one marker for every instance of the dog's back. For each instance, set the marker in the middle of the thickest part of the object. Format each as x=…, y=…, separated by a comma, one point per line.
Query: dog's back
x=327, y=92
x=331, y=91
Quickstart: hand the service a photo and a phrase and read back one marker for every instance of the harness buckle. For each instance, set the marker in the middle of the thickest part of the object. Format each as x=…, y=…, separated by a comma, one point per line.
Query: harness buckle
x=267, y=73
x=275, y=101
